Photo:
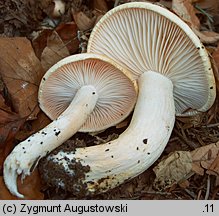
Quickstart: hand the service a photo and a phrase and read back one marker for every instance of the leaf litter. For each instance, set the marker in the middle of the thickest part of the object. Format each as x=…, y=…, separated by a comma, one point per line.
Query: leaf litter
x=181, y=165
x=187, y=12
x=54, y=51
x=21, y=72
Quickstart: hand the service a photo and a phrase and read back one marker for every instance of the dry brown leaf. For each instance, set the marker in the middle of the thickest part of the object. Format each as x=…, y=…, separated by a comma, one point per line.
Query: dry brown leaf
x=30, y=188
x=83, y=21
x=68, y=34
x=54, y=51
x=184, y=184
x=172, y=170
x=215, y=56
x=34, y=126
x=166, y=4
x=100, y=5
x=182, y=164
x=123, y=124
x=39, y=41
x=3, y=106
x=191, y=121
x=210, y=6
x=204, y=158
x=10, y=124
x=215, y=64
x=21, y=73
x=207, y=37
x=99, y=9
x=41, y=122
x=214, y=168
x=98, y=19
x=185, y=10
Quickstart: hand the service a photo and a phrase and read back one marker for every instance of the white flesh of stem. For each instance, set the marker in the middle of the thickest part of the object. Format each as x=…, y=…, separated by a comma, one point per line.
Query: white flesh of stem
x=26, y=153
x=137, y=148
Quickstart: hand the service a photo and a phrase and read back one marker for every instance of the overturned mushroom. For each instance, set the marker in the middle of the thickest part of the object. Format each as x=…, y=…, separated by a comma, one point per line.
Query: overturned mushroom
x=174, y=75
x=85, y=92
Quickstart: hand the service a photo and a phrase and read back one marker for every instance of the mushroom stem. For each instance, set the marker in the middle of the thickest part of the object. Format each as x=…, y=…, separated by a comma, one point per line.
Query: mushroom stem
x=135, y=150
x=27, y=153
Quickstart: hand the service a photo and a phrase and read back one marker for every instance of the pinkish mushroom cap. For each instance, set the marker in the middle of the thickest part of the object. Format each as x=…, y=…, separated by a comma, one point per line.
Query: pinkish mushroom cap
x=116, y=91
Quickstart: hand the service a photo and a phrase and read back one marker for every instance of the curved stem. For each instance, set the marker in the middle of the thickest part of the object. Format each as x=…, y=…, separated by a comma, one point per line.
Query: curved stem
x=26, y=153
x=108, y=165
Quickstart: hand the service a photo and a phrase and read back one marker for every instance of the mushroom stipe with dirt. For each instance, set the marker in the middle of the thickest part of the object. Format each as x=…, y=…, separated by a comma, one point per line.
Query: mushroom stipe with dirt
x=84, y=92
x=175, y=77
x=108, y=165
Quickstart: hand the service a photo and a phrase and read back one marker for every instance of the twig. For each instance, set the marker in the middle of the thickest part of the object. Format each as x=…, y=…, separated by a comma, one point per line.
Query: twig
x=76, y=37
x=155, y=192
x=173, y=139
x=211, y=125
x=205, y=13
x=116, y=3
x=215, y=193
x=199, y=194
x=208, y=188
x=188, y=142
x=190, y=193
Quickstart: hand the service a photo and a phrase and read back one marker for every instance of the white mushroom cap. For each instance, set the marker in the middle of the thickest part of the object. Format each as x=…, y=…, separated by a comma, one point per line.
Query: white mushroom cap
x=158, y=41
x=117, y=94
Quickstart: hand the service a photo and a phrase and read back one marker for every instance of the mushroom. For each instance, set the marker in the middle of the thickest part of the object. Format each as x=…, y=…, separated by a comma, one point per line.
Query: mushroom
x=174, y=75
x=85, y=92
x=59, y=8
